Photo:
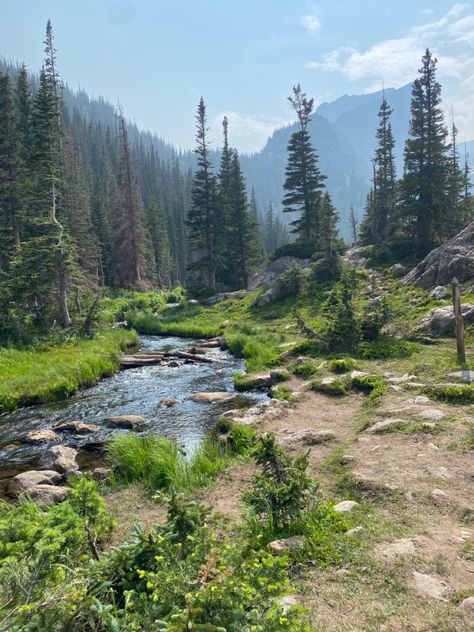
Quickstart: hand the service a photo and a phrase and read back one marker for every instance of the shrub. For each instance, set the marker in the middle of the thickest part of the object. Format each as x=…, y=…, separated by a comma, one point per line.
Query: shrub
x=305, y=370
x=290, y=282
x=453, y=394
x=280, y=375
x=341, y=331
x=245, y=382
x=341, y=365
x=373, y=385
x=283, y=392
x=283, y=490
x=336, y=387
x=374, y=320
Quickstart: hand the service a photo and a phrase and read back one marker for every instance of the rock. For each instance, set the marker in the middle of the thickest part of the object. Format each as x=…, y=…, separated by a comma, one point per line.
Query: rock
x=42, y=436
x=357, y=256
x=346, y=506
x=355, y=374
x=439, y=292
x=455, y=258
x=431, y=587
x=22, y=483
x=268, y=277
x=211, y=397
x=431, y=414
x=401, y=380
x=327, y=381
x=287, y=544
x=439, y=495
x=268, y=296
x=287, y=602
x=310, y=437
x=418, y=400
x=398, y=548
x=440, y=320
x=168, y=403
x=354, y=531
x=375, y=302
x=59, y=458
x=397, y=269
x=173, y=364
x=225, y=296
x=468, y=604
x=128, y=422
x=101, y=473
x=193, y=301
x=77, y=427
x=46, y=494
x=386, y=425
x=465, y=376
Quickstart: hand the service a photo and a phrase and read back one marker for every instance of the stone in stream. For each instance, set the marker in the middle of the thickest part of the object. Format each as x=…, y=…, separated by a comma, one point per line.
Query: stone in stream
x=42, y=436
x=77, y=427
x=24, y=482
x=212, y=397
x=59, y=458
x=127, y=422
x=167, y=403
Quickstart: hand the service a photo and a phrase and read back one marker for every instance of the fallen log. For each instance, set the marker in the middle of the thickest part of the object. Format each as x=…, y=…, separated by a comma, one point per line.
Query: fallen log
x=149, y=358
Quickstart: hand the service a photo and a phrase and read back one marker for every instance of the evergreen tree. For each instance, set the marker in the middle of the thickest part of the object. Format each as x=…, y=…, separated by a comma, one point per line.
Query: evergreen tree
x=304, y=182
x=424, y=186
x=456, y=189
x=354, y=224
x=329, y=244
x=202, y=216
x=127, y=221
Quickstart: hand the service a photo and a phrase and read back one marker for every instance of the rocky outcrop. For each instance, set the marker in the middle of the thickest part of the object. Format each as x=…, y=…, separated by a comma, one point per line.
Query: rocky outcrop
x=440, y=321
x=267, y=278
x=225, y=296
x=453, y=259
x=24, y=482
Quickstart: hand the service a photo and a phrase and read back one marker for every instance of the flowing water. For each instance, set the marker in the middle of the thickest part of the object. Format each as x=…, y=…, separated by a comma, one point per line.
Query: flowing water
x=130, y=392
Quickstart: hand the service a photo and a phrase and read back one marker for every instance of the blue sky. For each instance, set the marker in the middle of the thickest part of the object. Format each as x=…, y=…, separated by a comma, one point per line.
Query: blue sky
x=158, y=56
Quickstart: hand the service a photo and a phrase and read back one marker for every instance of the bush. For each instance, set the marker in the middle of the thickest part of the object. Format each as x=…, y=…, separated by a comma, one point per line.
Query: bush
x=374, y=320
x=283, y=393
x=305, y=370
x=283, y=490
x=336, y=387
x=341, y=365
x=453, y=394
x=290, y=282
x=341, y=331
x=373, y=385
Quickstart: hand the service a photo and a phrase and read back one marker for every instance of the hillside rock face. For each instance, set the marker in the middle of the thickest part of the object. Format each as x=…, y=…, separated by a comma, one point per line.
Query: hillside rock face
x=267, y=278
x=455, y=258
x=440, y=320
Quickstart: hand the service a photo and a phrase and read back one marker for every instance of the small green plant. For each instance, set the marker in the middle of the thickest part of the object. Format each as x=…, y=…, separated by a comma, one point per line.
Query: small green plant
x=452, y=394
x=373, y=385
x=341, y=365
x=283, y=393
x=283, y=489
x=334, y=386
x=305, y=370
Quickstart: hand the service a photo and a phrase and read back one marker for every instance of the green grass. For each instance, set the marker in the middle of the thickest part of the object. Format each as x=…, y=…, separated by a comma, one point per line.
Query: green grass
x=341, y=365
x=339, y=387
x=373, y=385
x=452, y=394
x=159, y=464
x=37, y=376
x=283, y=393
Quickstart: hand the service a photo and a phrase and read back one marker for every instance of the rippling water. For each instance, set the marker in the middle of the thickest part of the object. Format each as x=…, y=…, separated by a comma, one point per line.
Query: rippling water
x=134, y=392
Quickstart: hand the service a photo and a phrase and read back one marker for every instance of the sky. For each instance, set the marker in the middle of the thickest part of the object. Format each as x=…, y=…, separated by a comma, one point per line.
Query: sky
x=157, y=57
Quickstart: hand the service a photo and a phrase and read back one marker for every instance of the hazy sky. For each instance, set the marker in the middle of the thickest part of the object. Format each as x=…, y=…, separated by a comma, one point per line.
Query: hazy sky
x=159, y=56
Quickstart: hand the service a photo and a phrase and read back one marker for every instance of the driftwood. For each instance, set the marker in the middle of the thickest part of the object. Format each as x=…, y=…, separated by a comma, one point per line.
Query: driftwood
x=157, y=357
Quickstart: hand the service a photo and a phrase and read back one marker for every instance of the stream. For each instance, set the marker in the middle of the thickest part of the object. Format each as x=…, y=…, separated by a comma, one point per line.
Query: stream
x=130, y=392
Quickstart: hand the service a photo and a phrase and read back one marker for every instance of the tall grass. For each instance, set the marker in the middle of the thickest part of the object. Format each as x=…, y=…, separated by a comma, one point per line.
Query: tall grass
x=159, y=464
x=260, y=351
x=29, y=376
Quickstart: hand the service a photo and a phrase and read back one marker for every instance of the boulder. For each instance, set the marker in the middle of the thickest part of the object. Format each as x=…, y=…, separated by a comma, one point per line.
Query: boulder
x=386, y=425
x=59, y=458
x=346, y=506
x=455, y=258
x=397, y=269
x=42, y=436
x=225, y=296
x=211, y=397
x=101, y=473
x=22, y=483
x=168, y=403
x=128, y=422
x=357, y=256
x=439, y=292
x=440, y=320
x=47, y=494
x=76, y=427
x=287, y=544
x=431, y=587
x=468, y=605
x=268, y=277
x=310, y=437
x=272, y=294
x=465, y=376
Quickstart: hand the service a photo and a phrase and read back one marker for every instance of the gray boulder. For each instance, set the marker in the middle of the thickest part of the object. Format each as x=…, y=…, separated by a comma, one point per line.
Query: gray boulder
x=59, y=458
x=439, y=292
x=267, y=277
x=440, y=321
x=397, y=269
x=128, y=422
x=455, y=258
x=225, y=296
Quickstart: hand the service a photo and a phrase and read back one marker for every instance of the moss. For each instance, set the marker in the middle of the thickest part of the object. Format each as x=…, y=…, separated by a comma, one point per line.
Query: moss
x=336, y=387
x=372, y=385
x=341, y=365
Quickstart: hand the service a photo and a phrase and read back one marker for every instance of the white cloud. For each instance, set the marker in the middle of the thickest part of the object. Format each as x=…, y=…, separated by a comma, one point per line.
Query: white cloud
x=396, y=61
x=247, y=132
x=311, y=22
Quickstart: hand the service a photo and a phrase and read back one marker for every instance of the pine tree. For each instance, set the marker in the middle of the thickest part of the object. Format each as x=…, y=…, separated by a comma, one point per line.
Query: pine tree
x=127, y=221
x=456, y=189
x=304, y=182
x=10, y=203
x=225, y=233
x=424, y=185
x=354, y=224
x=329, y=244
x=202, y=215
x=385, y=176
